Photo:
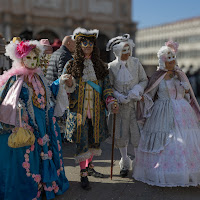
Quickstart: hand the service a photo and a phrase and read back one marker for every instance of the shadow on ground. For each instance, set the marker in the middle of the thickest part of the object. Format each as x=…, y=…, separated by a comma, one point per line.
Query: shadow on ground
x=118, y=188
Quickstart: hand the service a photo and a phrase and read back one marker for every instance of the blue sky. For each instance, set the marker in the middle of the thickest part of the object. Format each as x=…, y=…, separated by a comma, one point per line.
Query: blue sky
x=155, y=12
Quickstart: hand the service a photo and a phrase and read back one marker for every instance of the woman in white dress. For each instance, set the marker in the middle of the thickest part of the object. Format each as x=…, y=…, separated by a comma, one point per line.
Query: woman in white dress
x=169, y=149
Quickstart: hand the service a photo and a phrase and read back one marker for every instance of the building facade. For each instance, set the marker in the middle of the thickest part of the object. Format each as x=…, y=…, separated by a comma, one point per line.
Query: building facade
x=56, y=18
x=185, y=32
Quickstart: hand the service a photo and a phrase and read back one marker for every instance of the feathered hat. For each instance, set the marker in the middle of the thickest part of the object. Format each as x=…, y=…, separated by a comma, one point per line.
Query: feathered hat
x=18, y=49
x=171, y=48
x=82, y=32
x=117, y=44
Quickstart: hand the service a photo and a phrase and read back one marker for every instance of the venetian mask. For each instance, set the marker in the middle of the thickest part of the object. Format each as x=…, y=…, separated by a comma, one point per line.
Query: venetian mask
x=126, y=50
x=30, y=61
x=170, y=56
x=87, y=43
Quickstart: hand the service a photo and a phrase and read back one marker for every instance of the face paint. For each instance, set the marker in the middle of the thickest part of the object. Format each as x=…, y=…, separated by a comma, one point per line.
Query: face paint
x=87, y=43
x=30, y=61
x=126, y=50
x=170, y=56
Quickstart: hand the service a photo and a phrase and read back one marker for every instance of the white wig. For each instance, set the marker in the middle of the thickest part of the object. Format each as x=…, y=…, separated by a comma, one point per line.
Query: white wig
x=162, y=54
x=12, y=47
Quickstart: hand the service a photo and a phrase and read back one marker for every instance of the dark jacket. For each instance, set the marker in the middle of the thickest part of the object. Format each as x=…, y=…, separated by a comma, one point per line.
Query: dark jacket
x=57, y=62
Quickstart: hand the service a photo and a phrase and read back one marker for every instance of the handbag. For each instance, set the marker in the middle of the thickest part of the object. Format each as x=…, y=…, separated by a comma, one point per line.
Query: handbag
x=21, y=137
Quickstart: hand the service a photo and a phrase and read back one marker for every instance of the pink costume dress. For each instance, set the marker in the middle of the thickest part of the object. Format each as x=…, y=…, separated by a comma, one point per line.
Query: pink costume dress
x=169, y=149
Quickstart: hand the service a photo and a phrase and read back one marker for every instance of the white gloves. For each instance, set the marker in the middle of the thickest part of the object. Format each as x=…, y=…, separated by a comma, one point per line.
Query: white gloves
x=121, y=98
x=63, y=78
x=136, y=93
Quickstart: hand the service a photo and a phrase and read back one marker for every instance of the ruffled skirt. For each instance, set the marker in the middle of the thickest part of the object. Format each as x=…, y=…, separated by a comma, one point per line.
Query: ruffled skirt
x=178, y=162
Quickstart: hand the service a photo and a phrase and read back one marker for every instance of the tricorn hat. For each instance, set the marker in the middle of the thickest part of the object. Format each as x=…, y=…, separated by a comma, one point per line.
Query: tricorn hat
x=82, y=32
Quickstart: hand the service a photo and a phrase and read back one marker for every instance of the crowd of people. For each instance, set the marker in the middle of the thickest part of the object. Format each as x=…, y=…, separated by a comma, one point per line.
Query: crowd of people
x=71, y=93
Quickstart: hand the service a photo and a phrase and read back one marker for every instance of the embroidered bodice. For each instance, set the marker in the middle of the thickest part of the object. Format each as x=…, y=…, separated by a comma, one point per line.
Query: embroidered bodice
x=39, y=99
x=171, y=89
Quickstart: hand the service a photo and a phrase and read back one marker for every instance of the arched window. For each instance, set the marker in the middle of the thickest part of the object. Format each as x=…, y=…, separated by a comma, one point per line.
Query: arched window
x=47, y=34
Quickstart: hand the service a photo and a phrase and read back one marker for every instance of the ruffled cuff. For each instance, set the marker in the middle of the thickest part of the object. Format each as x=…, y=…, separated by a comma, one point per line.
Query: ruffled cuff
x=185, y=85
x=62, y=102
x=148, y=103
x=109, y=101
x=71, y=89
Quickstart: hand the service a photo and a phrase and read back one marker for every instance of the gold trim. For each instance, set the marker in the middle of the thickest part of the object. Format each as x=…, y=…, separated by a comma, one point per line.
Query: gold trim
x=80, y=108
x=107, y=91
x=85, y=35
x=97, y=114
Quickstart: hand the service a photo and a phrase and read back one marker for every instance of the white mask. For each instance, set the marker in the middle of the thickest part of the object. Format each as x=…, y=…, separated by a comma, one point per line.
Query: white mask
x=126, y=50
x=170, y=56
x=30, y=61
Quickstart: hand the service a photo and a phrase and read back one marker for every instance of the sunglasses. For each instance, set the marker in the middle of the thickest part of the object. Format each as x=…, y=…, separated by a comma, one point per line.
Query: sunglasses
x=87, y=43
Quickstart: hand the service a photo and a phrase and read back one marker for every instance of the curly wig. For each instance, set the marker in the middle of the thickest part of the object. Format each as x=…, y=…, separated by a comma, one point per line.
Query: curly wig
x=76, y=66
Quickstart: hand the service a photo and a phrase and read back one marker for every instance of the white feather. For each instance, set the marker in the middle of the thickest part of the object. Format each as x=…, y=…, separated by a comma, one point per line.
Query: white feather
x=85, y=32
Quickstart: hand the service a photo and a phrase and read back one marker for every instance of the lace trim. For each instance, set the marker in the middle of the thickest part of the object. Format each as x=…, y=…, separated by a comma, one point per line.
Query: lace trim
x=88, y=71
x=147, y=105
x=165, y=185
x=95, y=152
x=82, y=157
x=48, y=96
x=30, y=105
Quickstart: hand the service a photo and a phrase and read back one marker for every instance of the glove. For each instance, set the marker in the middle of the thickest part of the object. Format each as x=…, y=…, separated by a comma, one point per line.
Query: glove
x=120, y=97
x=65, y=77
x=134, y=94
x=62, y=79
x=123, y=99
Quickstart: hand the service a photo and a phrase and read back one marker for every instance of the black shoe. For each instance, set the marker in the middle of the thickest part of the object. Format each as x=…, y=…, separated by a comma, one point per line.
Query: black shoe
x=124, y=173
x=92, y=172
x=85, y=184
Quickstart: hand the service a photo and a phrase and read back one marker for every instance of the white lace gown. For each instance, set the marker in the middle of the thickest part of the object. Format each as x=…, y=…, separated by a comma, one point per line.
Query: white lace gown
x=169, y=155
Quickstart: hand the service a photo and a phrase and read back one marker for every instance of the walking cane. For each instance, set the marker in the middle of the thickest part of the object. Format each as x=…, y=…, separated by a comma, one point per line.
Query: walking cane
x=113, y=144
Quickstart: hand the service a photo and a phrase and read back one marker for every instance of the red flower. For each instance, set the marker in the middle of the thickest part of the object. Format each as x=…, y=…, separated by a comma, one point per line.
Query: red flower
x=23, y=49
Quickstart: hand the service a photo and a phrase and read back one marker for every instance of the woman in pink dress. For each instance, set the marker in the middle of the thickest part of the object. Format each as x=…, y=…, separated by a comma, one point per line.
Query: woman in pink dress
x=169, y=149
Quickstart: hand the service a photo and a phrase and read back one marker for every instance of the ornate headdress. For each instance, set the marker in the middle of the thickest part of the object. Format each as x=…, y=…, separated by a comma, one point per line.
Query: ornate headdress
x=117, y=44
x=82, y=32
x=18, y=49
x=167, y=53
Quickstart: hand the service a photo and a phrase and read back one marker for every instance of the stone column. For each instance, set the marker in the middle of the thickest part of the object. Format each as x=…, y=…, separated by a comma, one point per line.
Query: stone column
x=7, y=26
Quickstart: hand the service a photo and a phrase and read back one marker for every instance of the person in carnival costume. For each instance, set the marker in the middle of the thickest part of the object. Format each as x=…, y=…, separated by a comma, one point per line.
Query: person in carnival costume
x=90, y=94
x=128, y=80
x=30, y=171
x=44, y=60
x=169, y=149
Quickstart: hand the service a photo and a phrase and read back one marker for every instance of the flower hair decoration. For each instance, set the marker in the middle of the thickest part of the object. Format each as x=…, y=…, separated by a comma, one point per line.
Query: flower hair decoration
x=23, y=49
x=173, y=45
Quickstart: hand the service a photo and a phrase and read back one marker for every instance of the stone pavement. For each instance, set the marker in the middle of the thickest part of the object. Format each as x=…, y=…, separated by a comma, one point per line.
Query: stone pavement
x=118, y=188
